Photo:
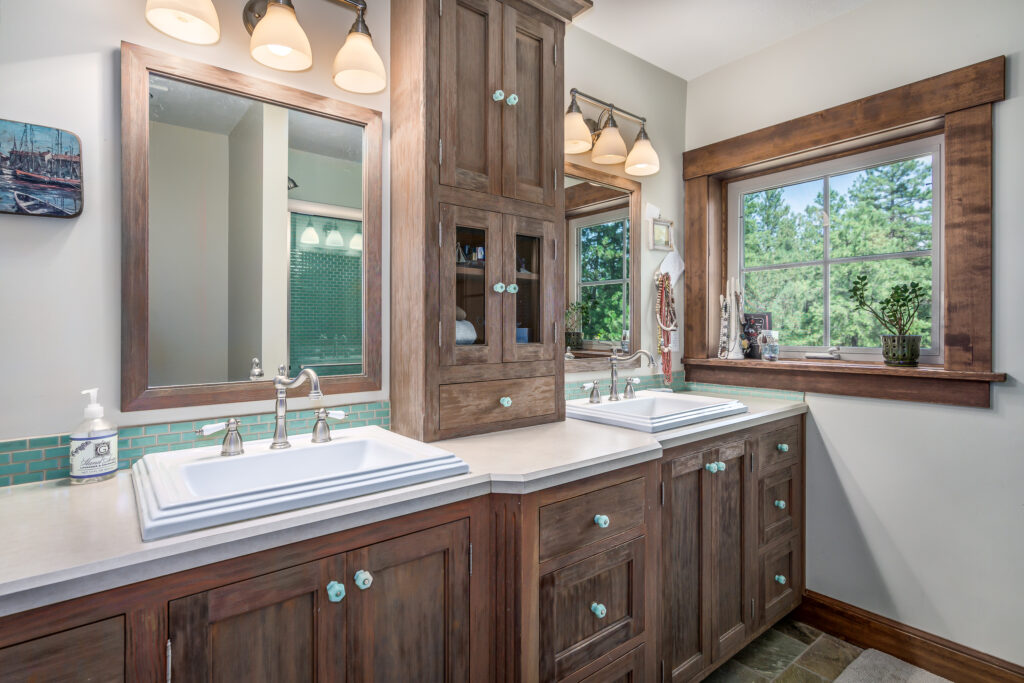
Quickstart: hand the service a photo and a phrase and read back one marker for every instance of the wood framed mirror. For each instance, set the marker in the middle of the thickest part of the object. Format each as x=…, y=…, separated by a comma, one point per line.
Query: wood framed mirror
x=602, y=265
x=251, y=229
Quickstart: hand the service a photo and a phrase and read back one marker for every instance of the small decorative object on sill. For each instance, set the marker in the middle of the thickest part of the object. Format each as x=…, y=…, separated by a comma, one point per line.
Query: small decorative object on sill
x=729, y=343
x=897, y=312
x=753, y=323
x=831, y=354
x=769, y=343
x=40, y=170
x=575, y=314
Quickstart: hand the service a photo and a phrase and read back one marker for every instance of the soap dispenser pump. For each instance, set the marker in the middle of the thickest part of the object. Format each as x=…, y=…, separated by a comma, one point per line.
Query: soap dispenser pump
x=93, y=445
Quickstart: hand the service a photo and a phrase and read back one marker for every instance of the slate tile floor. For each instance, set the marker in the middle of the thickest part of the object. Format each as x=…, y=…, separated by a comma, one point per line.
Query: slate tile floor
x=791, y=652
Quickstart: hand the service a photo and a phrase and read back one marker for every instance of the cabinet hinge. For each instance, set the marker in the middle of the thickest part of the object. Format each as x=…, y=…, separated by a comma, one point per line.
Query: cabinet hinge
x=751, y=462
x=471, y=559
x=661, y=671
x=440, y=8
x=662, y=493
x=438, y=332
x=440, y=152
x=751, y=609
x=439, y=232
x=168, y=660
x=556, y=55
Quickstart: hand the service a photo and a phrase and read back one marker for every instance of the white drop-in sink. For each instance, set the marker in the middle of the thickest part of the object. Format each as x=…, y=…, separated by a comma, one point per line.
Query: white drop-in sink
x=187, y=490
x=653, y=411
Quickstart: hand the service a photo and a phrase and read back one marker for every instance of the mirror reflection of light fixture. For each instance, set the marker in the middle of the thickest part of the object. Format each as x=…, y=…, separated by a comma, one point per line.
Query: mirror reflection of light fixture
x=334, y=239
x=578, y=138
x=193, y=21
x=604, y=139
x=357, y=66
x=278, y=40
x=356, y=243
x=310, y=236
x=642, y=159
x=610, y=148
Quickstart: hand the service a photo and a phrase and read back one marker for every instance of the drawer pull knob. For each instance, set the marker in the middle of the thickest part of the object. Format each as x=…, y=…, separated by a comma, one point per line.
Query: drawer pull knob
x=512, y=100
x=782, y=447
x=512, y=288
x=711, y=467
x=505, y=401
x=721, y=466
x=781, y=504
x=363, y=579
x=602, y=521
x=335, y=591
x=598, y=609
x=780, y=579
x=498, y=95
x=499, y=287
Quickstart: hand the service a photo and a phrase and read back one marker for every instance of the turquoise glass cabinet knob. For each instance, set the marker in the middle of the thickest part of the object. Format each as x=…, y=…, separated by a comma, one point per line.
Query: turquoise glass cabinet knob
x=512, y=100
x=783, y=447
x=711, y=467
x=602, y=521
x=499, y=287
x=781, y=504
x=721, y=466
x=498, y=95
x=512, y=288
x=335, y=591
x=505, y=401
x=363, y=579
x=780, y=579
x=598, y=609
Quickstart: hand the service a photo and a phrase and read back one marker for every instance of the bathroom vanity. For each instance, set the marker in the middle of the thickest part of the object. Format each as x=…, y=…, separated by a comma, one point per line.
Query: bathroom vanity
x=570, y=551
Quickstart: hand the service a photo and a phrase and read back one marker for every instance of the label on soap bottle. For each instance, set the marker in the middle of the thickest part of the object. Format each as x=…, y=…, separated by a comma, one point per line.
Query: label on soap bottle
x=93, y=456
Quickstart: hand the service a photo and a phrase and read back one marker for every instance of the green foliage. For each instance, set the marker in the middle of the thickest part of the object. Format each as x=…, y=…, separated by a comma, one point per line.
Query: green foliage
x=877, y=211
x=605, y=317
x=898, y=311
x=604, y=274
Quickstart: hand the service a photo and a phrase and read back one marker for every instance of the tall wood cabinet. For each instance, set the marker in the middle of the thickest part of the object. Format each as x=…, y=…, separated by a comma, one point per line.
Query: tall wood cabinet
x=477, y=264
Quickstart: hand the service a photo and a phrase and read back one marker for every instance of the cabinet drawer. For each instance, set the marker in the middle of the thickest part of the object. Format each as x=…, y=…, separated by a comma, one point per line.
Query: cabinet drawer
x=629, y=668
x=463, y=405
x=779, y=448
x=779, y=505
x=573, y=523
x=781, y=579
x=589, y=608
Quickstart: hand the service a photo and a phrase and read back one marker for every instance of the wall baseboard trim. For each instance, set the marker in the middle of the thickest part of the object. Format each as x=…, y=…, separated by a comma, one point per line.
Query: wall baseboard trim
x=865, y=629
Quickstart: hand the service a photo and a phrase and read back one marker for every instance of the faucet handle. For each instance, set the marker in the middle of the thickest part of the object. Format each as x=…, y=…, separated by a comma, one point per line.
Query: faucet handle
x=321, y=430
x=213, y=428
x=595, y=391
x=629, y=392
x=232, y=444
x=255, y=370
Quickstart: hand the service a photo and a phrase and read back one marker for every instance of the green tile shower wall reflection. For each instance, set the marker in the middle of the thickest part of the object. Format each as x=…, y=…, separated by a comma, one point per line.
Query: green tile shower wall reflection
x=325, y=317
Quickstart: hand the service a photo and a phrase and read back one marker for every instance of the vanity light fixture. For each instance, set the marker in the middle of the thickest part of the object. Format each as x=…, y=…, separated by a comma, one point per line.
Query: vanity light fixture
x=310, y=236
x=603, y=139
x=193, y=21
x=279, y=42
x=335, y=240
x=356, y=243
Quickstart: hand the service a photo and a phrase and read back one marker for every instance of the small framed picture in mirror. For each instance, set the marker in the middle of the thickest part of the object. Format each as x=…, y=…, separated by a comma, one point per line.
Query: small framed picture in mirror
x=661, y=235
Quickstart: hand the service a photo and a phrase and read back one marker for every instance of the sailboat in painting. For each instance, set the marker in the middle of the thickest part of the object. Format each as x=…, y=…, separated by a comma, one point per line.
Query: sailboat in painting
x=40, y=170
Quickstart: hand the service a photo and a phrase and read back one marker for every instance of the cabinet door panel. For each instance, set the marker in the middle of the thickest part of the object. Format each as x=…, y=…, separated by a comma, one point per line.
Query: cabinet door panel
x=529, y=313
x=529, y=74
x=730, y=515
x=781, y=581
x=470, y=73
x=629, y=668
x=467, y=284
x=95, y=652
x=412, y=623
x=262, y=629
x=780, y=504
x=685, y=616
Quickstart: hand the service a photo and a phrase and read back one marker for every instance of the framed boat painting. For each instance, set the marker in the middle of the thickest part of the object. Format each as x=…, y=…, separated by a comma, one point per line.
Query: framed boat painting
x=40, y=170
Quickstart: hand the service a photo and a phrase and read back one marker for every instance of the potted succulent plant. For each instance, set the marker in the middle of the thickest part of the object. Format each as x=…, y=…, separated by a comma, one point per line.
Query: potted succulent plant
x=897, y=313
x=575, y=314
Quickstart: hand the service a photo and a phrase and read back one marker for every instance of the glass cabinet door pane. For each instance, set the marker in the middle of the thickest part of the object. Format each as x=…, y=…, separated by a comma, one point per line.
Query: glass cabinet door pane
x=529, y=295
x=527, y=317
x=470, y=291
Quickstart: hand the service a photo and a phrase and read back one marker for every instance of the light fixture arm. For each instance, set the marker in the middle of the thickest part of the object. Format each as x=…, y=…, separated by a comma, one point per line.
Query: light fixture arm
x=255, y=10
x=359, y=25
x=576, y=93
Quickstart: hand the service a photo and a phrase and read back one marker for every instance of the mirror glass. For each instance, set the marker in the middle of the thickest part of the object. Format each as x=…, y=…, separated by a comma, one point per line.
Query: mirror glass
x=598, y=267
x=255, y=238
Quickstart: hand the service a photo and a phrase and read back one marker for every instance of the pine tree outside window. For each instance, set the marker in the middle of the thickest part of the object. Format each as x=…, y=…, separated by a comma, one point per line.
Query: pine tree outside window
x=602, y=275
x=800, y=237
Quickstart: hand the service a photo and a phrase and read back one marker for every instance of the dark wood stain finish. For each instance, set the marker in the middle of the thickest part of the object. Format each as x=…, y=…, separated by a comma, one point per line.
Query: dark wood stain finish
x=95, y=652
x=569, y=524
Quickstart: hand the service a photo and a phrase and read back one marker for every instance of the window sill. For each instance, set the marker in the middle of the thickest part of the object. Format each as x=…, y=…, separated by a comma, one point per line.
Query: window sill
x=925, y=383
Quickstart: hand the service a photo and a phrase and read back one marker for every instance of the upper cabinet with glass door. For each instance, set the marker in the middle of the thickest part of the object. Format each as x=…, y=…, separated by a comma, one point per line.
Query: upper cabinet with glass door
x=497, y=107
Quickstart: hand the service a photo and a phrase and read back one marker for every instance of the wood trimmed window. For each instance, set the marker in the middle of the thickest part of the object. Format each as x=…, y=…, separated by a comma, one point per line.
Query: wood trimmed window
x=958, y=105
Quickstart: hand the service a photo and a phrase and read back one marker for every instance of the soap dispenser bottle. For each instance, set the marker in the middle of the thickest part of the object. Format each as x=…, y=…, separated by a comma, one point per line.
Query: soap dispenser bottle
x=93, y=445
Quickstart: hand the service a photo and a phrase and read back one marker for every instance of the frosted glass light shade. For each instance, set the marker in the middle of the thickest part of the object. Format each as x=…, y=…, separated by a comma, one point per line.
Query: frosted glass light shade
x=356, y=243
x=279, y=42
x=334, y=239
x=357, y=66
x=610, y=148
x=642, y=159
x=310, y=236
x=194, y=21
x=577, y=135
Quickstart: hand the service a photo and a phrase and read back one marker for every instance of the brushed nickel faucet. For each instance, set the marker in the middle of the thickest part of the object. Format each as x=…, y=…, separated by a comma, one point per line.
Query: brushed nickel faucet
x=232, y=444
x=615, y=359
x=282, y=384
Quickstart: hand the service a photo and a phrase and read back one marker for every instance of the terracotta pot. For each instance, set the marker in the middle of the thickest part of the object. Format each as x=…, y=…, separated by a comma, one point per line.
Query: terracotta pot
x=901, y=350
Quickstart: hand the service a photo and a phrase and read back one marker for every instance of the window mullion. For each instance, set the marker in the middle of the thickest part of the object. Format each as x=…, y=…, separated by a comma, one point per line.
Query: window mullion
x=826, y=271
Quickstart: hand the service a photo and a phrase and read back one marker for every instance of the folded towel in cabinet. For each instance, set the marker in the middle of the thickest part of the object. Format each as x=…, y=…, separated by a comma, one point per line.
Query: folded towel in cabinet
x=465, y=333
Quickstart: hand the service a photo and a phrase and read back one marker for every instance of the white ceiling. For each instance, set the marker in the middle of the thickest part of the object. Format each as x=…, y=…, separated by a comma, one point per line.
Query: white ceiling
x=692, y=37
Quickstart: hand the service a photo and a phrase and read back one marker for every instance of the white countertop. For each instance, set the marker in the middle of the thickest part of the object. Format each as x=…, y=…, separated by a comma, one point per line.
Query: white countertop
x=61, y=542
